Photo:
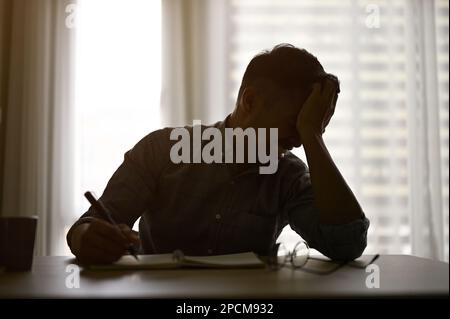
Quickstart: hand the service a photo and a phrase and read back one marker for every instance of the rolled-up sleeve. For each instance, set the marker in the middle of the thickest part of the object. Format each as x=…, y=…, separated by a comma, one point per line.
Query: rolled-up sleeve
x=339, y=242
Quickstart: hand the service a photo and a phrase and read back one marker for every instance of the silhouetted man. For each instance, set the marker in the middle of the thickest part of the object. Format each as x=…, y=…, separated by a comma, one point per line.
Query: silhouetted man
x=221, y=207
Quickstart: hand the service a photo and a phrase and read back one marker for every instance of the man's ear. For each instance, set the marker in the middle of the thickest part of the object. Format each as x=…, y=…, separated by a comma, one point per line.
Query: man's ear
x=248, y=99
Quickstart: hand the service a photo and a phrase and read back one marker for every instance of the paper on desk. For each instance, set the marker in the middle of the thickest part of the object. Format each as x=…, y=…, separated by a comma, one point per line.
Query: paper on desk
x=167, y=261
x=242, y=260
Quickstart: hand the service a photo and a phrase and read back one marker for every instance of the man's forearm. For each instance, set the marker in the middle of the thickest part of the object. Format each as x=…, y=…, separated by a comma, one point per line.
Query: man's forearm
x=333, y=197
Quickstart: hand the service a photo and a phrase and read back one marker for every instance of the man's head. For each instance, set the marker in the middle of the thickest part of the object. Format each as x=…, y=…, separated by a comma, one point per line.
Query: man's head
x=274, y=87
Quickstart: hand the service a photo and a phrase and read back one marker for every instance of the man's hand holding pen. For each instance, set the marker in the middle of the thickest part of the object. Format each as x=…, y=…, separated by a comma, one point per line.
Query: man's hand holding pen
x=100, y=242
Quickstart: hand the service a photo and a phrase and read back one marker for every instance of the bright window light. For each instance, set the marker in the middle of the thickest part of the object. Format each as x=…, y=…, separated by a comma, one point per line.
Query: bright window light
x=118, y=58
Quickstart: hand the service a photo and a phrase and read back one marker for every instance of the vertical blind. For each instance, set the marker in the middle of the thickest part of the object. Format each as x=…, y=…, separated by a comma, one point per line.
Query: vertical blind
x=368, y=45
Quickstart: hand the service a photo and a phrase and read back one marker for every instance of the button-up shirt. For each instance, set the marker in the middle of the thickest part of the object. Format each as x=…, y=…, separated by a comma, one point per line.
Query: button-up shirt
x=219, y=208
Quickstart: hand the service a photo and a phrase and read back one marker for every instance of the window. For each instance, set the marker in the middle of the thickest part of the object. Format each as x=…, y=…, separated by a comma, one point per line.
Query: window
x=117, y=86
x=365, y=43
x=373, y=46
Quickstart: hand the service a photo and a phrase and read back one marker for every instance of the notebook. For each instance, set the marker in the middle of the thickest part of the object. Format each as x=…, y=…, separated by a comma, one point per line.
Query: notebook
x=173, y=261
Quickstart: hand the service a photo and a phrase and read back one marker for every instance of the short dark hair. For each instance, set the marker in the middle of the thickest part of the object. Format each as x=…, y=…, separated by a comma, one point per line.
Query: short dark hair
x=292, y=69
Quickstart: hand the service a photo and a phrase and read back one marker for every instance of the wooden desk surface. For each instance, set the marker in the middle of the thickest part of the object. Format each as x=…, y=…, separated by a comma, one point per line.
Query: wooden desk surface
x=400, y=275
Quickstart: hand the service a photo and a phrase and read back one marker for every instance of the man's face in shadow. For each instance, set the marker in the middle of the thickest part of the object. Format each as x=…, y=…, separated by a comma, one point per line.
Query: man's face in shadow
x=270, y=107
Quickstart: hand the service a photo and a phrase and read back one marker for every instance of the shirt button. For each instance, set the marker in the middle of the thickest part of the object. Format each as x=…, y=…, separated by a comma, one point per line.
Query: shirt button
x=218, y=216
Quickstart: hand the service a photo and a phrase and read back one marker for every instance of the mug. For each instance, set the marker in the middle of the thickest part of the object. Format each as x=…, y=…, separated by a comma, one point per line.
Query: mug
x=17, y=235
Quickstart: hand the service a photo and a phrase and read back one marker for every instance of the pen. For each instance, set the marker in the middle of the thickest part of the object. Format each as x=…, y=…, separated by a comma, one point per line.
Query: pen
x=100, y=208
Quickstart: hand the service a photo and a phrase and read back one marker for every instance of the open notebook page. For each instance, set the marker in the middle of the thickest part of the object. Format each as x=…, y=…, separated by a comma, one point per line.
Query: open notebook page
x=167, y=261
x=241, y=260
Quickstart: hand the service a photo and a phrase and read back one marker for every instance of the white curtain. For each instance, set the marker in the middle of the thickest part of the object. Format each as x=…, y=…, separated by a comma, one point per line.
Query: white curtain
x=193, y=61
x=389, y=135
x=39, y=119
x=424, y=143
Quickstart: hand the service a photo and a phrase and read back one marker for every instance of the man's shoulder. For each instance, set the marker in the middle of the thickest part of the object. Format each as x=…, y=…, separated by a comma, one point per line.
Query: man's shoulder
x=161, y=140
x=163, y=134
x=156, y=137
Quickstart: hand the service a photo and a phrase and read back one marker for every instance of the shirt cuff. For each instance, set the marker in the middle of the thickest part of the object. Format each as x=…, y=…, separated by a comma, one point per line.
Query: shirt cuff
x=344, y=242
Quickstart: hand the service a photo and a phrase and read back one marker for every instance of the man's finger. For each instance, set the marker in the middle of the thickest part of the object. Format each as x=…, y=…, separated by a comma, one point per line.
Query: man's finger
x=330, y=112
x=316, y=90
x=333, y=104
x=112, y=232
x=124, y=228
x=107, y=246
x=329, y=89
x=127, y=231
x=130, y=234
x=96, y=255
x=96, y=237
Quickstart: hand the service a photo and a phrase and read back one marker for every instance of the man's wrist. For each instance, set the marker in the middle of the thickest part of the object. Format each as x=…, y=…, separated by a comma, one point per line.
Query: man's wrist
x=309, y=136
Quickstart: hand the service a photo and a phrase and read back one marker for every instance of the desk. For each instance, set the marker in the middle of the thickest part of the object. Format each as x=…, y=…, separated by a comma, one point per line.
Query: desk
x=400, y=276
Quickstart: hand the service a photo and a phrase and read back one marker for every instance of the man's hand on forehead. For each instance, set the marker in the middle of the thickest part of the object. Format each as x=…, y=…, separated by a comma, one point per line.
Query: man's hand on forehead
x=330, y=78
x=319, y=107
